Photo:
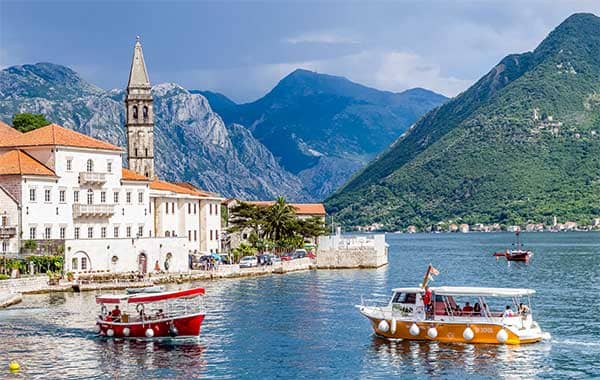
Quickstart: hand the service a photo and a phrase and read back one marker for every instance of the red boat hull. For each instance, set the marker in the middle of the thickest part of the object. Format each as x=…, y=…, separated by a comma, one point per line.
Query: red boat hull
x=515, y=256
x=186, y=326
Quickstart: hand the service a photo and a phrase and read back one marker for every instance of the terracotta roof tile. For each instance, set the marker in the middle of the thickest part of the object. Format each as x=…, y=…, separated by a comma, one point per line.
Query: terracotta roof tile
x=130, y=175
x=191, y=187
x=8, y=133
x=17, y=162
x=56, y=135
x=168, y=186
x=301, y=208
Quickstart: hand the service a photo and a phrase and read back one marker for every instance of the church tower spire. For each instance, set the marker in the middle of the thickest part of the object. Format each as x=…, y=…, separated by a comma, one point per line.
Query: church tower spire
x=139, y=119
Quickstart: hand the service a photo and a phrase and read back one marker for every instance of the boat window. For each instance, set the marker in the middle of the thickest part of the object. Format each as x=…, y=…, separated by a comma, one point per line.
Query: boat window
x=404, y=298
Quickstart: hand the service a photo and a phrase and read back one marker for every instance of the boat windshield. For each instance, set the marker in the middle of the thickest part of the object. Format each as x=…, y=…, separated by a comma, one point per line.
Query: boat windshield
x=480, y=306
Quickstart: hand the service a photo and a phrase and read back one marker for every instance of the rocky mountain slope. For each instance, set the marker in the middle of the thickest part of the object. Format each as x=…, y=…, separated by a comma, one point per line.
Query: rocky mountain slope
x=192, y=142
x=324, y=128
x=522, y=144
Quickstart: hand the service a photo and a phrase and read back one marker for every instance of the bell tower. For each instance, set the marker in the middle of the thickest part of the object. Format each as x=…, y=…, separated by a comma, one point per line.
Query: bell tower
x=139, y=119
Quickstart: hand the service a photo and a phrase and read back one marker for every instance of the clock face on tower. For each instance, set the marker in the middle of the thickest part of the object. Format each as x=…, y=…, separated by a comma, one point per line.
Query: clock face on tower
x=139, y=117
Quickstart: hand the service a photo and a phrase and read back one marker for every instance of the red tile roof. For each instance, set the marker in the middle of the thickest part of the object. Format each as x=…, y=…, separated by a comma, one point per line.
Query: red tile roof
x=8, y=133
x=130, y=175
x=301, y=208
x=168, y=186
x=189, y=186
x=17, y=162
x=56, y=135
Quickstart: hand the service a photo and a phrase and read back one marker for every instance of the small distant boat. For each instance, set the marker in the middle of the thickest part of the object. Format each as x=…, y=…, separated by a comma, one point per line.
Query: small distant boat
x=147, y=289
x=432, y=314
x=517, y=254
x=174, y=314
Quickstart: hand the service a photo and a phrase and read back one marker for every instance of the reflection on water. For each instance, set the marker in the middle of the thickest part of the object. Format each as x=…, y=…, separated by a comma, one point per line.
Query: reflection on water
x=304, y=325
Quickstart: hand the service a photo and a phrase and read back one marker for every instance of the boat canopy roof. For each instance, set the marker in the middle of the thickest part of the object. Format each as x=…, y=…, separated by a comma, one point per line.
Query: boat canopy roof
x=408, y=290
x=490, y=292
x=149, y=297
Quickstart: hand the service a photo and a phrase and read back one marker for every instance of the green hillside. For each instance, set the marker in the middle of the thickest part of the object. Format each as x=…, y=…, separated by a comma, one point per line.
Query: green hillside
x=522, y=144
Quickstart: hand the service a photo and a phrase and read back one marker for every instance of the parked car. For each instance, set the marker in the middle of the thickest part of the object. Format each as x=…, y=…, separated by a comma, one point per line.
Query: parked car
x=300, y=253
x=275, y=259
x=248, y=262
x=287, y=256
x=265, y=259
x=311, y=255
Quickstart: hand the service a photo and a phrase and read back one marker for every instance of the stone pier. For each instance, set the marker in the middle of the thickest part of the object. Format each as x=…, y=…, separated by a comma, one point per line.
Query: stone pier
x=341, y=252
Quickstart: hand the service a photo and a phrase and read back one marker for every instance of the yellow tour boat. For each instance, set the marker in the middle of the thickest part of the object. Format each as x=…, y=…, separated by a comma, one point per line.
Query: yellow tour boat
x=434, y=314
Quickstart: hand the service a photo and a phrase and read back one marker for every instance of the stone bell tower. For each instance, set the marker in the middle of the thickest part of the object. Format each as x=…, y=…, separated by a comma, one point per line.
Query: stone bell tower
x=139, y=122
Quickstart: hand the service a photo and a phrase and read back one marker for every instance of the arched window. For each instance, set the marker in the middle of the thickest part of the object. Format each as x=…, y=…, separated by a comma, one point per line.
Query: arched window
x=90, y=166
x=135, y=112
x=145, y=112
x=90, y=197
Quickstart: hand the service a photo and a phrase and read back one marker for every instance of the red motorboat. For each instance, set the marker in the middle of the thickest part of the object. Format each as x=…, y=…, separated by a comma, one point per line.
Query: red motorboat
x=518, y=254
x=175, y=314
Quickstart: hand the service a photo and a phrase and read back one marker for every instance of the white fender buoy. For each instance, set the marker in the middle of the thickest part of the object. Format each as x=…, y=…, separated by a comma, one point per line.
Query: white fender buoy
x=126, y=331
x=414, y=330
x=149, y=333
x=432, y=332
x=502, y=336
x=97, y=329
x=468, y=334
x=110, y=332
x=383, y=326
x=393, y=327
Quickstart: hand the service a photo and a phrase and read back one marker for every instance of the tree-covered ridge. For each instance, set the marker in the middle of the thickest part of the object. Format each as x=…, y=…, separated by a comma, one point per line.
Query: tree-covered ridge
x=522, y=144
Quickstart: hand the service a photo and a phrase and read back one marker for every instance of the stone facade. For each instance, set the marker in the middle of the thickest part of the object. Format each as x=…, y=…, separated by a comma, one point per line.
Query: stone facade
x=337, y=252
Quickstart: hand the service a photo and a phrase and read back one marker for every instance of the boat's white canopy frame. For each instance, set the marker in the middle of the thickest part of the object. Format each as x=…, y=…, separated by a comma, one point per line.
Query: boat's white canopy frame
x=408, y=290
x=486, y=292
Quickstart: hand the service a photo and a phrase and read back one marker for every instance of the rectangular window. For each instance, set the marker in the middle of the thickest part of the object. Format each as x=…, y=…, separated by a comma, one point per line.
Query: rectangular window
x=69, y=164
x=140, y=231
x=211, y=234
x=216, y=234
x=90, y=232
x=128, y=231
x=210, y=209
x=4, y=220
x=4, y=245
x=63, y=232
x=76, y=233
x=116, y=197
x=32, y=233
x=47, y=195
x=140, y=197
x=189, y=235
x=195, y=235
x=103, y=197
x=128, y=197
x=47, y=233
x=103, y=232
x=61, y=196
x=189, y=208
x=76, y=196
x=32, y=195
x=116, y=231
x=167, y=208
x=74, y=263
x=84, y=263
x=194, y=208
x=109, y=166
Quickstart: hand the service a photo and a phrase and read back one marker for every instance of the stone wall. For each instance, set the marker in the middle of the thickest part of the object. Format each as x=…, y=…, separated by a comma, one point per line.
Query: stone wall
x=338, y=252
x=24, y=285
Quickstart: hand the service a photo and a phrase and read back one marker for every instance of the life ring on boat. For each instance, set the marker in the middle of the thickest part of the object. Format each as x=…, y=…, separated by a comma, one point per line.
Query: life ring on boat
x=140, y=308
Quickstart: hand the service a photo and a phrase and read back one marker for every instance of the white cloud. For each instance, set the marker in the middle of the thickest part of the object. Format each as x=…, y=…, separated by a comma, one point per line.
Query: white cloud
x=321, y=37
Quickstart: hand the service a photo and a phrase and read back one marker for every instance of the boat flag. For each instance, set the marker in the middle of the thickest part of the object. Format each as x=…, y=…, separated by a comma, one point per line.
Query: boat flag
x=434, y=271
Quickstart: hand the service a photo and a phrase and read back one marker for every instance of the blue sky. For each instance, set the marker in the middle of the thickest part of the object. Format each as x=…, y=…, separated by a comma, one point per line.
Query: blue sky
x=243, y=48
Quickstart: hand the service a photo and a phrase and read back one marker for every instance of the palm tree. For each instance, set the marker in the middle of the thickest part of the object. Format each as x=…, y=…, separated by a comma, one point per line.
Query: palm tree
x=280, y=220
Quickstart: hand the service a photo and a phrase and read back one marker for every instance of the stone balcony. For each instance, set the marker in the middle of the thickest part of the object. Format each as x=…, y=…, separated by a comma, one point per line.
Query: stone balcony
x=7, y=232
x=92, y=178
x=89, y=211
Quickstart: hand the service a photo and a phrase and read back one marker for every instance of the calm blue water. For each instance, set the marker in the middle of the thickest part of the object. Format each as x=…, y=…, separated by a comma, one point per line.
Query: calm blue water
x=304, y=325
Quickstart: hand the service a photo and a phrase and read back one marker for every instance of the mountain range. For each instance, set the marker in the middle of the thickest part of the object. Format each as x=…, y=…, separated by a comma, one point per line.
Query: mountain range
x=522, y=144
x=302, y=140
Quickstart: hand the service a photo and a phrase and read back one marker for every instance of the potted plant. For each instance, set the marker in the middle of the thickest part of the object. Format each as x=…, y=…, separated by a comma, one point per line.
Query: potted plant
x=53, y=278
x=70, y=276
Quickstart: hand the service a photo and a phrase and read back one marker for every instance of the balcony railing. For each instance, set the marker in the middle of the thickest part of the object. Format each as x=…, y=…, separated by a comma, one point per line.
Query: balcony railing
x=7, y=232
x=83, y=210
x=91, y=177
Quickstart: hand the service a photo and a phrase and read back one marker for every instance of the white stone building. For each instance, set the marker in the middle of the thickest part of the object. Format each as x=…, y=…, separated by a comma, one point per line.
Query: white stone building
x=60, y=186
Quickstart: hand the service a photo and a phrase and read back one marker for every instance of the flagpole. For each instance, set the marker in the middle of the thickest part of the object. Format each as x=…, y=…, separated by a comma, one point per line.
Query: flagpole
x=426, y=278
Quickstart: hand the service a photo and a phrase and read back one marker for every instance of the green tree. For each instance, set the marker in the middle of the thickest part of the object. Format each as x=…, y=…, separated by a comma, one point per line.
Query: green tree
x=25, y=122
x=280, y=220
x=312, y=227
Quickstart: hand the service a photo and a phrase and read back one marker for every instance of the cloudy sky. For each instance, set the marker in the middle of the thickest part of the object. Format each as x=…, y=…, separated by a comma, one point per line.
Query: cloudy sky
x=243, y=48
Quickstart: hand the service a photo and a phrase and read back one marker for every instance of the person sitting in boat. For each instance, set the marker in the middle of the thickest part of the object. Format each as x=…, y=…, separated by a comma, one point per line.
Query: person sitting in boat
x=116, y=313
x=160, y=314
x=523, y=309
x=468, y=309
x=108, y=317
x=508, y=312
x=477, y=309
